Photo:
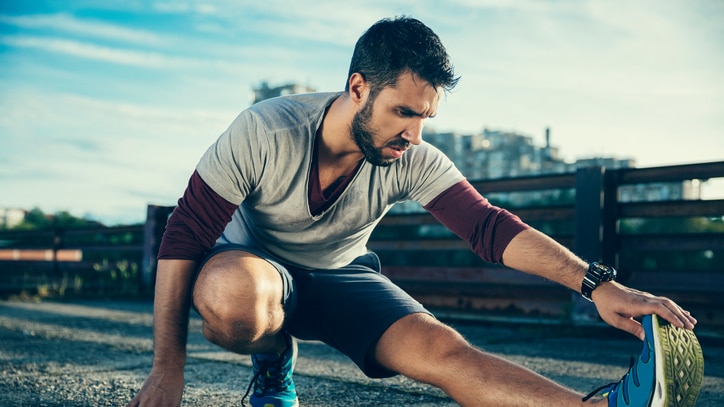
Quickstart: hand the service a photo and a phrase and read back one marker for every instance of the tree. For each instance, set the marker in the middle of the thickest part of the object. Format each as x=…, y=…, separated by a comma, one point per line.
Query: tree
x=36, y=219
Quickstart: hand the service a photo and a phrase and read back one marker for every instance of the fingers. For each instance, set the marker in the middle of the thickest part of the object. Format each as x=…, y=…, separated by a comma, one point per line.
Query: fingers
x=668, y=310
x=672, y=312
x=618, y=305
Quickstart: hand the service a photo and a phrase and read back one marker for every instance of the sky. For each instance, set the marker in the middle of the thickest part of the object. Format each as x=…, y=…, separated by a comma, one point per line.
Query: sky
x=106, y=105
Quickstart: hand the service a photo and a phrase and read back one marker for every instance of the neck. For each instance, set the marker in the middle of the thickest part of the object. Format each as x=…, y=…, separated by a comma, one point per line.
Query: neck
x=336, y=148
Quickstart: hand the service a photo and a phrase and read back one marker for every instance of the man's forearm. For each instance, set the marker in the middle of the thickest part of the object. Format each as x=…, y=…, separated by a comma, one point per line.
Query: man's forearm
x=171, y=307
x=535, y=253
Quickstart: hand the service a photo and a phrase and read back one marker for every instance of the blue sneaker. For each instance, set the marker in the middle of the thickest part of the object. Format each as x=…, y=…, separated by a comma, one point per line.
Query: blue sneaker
x=273, y=384
x=667, y=374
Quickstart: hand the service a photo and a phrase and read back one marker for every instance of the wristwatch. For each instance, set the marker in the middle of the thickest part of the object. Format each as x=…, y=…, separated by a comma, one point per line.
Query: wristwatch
x=597, y=274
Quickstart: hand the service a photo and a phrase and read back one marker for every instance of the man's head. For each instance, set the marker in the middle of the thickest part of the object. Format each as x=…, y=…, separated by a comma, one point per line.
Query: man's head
x=403, y=61
x=393, y=46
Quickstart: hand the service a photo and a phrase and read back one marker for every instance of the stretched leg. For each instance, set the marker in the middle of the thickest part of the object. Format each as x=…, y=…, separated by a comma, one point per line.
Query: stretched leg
x=239, y=298
x=422, y=348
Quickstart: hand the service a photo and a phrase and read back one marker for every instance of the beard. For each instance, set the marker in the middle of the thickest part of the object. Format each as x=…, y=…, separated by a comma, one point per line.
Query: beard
x=364, y=135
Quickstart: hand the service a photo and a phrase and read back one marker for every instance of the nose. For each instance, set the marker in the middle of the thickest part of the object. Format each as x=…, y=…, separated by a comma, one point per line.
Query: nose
x=413, y=133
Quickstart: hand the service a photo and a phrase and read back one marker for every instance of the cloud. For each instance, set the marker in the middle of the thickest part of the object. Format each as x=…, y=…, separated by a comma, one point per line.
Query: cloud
x=183, y=7
x=139, y=113
x=91, y=51
x=106, y=134
x=588, y=56
x=136, y=58
x=87, y=163
x=66, y=23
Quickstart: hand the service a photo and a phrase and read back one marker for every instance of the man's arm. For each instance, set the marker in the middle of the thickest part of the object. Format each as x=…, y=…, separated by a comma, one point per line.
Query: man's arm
x=533, y=252
x=171, y=307
x=191, y=231
x=498, y=236
x=172, y=302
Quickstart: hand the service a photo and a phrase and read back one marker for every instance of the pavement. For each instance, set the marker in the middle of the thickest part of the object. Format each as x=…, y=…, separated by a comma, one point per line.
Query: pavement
x=97, y=353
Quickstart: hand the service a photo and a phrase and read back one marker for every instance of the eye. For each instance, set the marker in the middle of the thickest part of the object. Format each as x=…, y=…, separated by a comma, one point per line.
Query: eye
x=408, y=113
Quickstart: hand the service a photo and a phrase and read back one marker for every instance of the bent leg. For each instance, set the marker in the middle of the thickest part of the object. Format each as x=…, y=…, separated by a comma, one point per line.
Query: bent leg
x=239, y=298
x=422, y=348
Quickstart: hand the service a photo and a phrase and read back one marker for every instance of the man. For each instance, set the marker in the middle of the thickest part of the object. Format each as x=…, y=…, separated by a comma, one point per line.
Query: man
x=268, y=244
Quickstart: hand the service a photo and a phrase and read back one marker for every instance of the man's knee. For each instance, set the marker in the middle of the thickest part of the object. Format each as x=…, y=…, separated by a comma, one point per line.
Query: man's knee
x=419, y=346
x=239, y=298
x=443, y=343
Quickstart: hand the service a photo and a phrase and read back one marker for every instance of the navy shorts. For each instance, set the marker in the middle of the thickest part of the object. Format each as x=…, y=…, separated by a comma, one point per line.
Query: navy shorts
x=347, y=308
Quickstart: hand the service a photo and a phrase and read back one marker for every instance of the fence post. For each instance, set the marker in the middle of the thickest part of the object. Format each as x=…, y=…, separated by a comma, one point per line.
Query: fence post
x=156, y=218
x=57, y=245
x=588, y=229
x=609, y=231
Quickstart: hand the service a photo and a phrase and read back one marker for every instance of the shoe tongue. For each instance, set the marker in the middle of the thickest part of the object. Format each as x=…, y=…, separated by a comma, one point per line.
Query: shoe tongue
x=268, y=357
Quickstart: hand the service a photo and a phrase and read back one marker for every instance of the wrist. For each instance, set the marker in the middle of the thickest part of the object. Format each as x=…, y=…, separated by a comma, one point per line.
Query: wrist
x=169, y=363
x=601, y=290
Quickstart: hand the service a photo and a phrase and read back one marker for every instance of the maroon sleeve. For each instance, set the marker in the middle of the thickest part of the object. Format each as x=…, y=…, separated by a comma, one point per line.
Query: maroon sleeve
x=196, y=223
x=466, y=213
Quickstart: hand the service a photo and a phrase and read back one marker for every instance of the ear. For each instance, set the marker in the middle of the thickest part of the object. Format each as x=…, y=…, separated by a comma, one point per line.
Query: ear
x=359, y=88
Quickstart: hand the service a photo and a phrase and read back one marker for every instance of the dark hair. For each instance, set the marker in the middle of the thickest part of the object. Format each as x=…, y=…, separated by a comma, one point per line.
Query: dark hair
x=392, y=46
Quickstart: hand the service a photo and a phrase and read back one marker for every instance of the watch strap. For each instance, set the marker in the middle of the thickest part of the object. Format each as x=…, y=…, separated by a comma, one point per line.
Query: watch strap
x=596, y=274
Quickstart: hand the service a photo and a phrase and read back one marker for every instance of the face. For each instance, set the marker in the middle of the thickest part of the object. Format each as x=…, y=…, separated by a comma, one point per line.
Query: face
x=392, y=120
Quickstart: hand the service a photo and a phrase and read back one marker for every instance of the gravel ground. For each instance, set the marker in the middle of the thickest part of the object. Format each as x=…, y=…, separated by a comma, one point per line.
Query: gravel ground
x=98, y=354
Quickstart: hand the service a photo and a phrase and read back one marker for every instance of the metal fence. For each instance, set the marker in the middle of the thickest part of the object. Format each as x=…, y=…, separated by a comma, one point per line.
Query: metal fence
x=682, y=259
x=83, y=261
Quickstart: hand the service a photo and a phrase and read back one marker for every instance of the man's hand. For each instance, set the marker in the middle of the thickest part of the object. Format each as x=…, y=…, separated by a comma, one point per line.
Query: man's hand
x=162, y=388
x=618, y=305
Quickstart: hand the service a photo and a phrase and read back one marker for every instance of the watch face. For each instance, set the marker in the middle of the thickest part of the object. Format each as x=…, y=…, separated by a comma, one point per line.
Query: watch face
x=607, y=273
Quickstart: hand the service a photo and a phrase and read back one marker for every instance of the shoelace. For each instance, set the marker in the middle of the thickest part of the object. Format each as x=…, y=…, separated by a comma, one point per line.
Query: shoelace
x=248, y=388
x=611, y=385
x=274, y=374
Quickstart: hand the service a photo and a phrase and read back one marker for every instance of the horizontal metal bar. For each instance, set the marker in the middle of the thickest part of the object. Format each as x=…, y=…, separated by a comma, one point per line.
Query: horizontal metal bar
x=671, y=208
x=526, y=184
x=684, y=241
x=671, y=173
x=490, y=274
x=85, y=247
x=457, y=290
x=678, y=282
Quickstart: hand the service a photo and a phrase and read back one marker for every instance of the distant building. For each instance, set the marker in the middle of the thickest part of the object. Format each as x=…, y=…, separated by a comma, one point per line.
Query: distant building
x=607, y=162
x=11, y=217
x=264, y=92
x=661, y=191
x=498, y=154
